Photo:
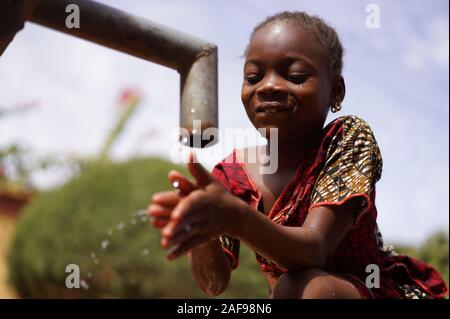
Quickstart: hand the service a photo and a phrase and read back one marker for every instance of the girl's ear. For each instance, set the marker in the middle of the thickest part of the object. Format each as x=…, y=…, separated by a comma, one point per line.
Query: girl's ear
x=337, y=93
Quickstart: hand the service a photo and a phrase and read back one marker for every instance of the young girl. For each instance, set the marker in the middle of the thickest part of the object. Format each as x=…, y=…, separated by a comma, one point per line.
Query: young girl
x=312, y=224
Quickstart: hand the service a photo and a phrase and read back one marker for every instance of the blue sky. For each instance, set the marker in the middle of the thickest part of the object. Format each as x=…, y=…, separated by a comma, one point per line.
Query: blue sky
x=396, y=76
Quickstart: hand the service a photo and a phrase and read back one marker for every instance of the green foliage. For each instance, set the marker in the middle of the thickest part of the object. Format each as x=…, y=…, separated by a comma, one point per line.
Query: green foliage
x=13, y=156
x=130, y=103
x=67, y=225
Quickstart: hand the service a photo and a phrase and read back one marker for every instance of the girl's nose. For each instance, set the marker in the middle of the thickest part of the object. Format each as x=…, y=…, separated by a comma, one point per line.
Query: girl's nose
x=271, y=84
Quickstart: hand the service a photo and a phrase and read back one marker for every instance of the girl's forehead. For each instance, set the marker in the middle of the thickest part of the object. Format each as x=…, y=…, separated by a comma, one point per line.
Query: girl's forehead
x=279, y=32
x=280, y=38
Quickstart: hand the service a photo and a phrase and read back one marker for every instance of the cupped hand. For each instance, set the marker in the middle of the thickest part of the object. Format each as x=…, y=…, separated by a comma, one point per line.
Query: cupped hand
x=194, y=217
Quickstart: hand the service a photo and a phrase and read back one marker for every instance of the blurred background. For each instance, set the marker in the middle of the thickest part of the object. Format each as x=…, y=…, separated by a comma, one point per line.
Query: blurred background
x=86, y=137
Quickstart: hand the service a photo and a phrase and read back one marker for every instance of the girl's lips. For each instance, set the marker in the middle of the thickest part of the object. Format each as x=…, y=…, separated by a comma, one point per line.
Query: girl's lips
x=273, y=108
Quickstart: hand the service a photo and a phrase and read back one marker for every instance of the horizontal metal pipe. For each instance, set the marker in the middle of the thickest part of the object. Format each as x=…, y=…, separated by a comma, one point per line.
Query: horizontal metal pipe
x=193, y=58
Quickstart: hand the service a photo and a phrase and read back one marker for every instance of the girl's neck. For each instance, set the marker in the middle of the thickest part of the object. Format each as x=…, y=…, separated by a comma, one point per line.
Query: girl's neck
x=290, y=153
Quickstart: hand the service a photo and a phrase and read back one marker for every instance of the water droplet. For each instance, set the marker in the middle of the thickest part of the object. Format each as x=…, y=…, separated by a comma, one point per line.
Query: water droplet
x=109, y=232
x=93, y=256
x=89, y=274
x=105, y=244
x=176, y=184
x=96, y=261
x=145, y=252
x=142, y=212
x=84, y=284
x=120, y=226
x=144, y=218
x=133, y=222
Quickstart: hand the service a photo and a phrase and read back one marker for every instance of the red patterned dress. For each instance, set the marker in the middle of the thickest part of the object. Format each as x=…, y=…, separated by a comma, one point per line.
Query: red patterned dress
x=343, y=162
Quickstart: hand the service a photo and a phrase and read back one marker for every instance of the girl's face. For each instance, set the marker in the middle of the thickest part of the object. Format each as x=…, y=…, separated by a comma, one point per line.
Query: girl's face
x=286, y=81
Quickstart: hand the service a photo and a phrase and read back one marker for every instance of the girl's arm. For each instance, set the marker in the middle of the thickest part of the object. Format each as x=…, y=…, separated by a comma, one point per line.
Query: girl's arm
x=296, y=247
x=210, y=267
x=211, y=211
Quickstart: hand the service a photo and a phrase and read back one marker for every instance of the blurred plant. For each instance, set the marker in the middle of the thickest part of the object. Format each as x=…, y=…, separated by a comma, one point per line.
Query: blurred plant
x=14, y=173
x=129, y=101
x=18, y=165
x=18, y=109
x=12, y=157
x=91, y=216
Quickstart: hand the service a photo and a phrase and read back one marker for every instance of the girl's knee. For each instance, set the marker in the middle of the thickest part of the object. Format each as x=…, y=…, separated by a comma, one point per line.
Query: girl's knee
x=310, y=283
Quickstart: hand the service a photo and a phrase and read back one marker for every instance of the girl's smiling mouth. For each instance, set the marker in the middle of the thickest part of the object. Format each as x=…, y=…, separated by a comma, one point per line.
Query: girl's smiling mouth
x=273, y=107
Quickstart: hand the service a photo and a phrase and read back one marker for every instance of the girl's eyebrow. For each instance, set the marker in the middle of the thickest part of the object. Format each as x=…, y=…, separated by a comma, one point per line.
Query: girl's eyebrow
x=286, y=59
x=253, y=61
x=302, y=59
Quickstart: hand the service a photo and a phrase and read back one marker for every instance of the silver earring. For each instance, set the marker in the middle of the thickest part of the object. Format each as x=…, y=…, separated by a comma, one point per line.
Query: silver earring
x=336, y=107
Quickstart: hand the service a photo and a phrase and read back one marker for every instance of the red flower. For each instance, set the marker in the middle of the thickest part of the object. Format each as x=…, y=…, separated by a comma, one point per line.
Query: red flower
x=128, y=96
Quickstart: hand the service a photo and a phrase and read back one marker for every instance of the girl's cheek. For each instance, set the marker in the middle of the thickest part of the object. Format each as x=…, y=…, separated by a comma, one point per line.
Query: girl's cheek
x=309, y=91
x=245, y=97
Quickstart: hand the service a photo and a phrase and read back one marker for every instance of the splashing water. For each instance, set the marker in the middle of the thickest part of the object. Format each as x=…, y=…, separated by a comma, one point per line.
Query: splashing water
x=144, y=218
x=141, y=212
x=138, y=217
x=84, y=284
x=105, y=244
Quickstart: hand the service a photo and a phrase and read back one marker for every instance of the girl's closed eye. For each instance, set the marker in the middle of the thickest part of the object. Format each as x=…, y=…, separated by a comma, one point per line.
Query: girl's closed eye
x=294, y=78
x=298, y=78
x=253, y=78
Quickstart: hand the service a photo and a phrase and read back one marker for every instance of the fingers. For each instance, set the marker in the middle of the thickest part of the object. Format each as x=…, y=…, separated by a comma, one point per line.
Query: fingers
x=161, y=208
x=180, y=217
x=188, y=224
x=170, y=211
x=184, y=234
x=174, y=229
x=169, y=198
x=158, y=211
x=176, y=222
x=180, y=249
x=184, y=185
x=164, y=202
x=160, y=215
x=184, y=206
x=160, y=223
x=197, y=170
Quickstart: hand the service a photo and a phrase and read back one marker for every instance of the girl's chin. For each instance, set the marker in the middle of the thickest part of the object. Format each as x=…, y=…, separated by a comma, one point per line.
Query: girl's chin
x=273, y=131
x=269, y=122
